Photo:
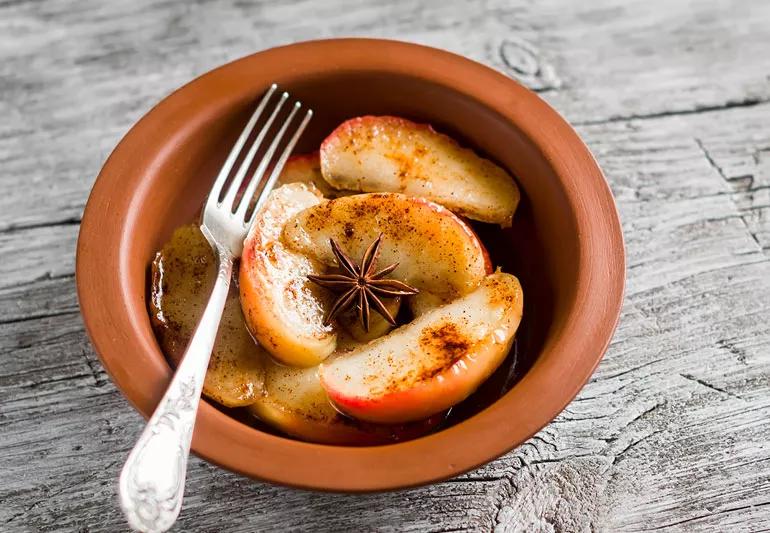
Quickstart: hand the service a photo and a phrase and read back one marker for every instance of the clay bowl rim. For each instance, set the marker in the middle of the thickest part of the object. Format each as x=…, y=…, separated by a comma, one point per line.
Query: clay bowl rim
x=576, y=347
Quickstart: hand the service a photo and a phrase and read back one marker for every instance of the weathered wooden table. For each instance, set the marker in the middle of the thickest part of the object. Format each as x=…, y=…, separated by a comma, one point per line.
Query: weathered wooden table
x=673, y=431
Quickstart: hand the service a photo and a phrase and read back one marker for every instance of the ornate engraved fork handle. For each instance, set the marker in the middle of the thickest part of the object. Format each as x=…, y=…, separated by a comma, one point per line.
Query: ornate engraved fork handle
x=152, y=480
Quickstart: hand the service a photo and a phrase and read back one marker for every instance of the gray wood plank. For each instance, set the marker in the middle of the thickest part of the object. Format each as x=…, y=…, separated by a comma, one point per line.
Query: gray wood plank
x=671, y=432
x=78, y=73
x=37, y=272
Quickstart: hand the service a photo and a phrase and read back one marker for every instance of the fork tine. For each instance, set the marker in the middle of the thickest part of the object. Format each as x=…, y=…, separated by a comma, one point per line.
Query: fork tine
x=280, y=164
x=216, y=189
x=259, y=173
x=256, y=178
x=229, y=200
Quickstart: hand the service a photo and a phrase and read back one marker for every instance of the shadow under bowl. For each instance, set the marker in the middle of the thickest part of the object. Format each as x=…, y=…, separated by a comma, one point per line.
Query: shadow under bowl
x=566, y=244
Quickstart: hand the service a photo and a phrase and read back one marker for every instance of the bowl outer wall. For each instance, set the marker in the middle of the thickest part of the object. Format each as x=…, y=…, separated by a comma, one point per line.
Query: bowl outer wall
x=574, y=349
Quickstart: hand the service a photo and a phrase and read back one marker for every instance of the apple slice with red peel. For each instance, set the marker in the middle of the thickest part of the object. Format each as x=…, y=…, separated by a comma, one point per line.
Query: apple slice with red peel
x=391, y=154
x=295, y=403
x=432, y=363
x=283, y=310
x=437, y=252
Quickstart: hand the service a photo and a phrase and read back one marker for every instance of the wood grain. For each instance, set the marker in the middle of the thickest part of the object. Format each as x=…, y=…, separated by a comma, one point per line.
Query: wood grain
x=672, y=97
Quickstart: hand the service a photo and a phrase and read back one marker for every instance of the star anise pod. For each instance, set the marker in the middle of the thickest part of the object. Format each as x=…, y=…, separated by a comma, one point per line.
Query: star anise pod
x=361, y=285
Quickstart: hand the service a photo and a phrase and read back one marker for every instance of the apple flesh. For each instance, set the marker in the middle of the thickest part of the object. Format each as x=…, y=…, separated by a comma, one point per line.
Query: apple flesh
x=437, y=252
x=306, y=168
x=283, y=310
x=432, y=363
x=391, y=154
x=423, y=302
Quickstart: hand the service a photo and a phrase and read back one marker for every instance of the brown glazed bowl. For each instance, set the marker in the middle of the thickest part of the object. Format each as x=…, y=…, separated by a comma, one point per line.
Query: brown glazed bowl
x=566, y=244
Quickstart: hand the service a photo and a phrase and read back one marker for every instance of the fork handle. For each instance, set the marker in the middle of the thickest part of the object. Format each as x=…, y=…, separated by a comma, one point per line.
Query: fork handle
x=152, y=480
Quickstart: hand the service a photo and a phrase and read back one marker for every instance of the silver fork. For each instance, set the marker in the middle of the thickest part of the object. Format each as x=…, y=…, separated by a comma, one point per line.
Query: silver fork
x=152, y=480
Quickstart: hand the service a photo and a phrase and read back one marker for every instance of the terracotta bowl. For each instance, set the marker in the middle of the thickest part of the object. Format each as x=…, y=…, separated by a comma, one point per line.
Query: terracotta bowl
x=566, y=244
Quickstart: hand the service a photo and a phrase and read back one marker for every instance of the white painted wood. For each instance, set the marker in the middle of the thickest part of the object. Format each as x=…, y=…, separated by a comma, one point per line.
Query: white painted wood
x=671, y=434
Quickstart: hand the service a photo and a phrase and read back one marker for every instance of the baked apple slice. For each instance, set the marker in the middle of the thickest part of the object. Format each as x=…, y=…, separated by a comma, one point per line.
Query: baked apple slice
x=283, y=310
x=295, y=403
x=306, y=168
x=437, y=252
x=183, y=275
x=432, y=363
x=420, y=303
x=391, y=154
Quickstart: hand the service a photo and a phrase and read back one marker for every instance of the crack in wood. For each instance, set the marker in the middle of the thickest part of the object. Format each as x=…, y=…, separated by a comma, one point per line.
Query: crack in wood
x=574, y=418
x=539, y=437
x=723, y=218
x=610, y=441
x=15, y=228
x=739, y=354
x=710, y=386
x=36, y=317
x=605, y=377
x=743, y=183
x=619, y=455
x=730, y=182
x=747, y=102
x=64, y=379
x=545, y=461
x=723, y=511
x=98, y=381
x=711, y=161
x=751, y=233
x=474, y=479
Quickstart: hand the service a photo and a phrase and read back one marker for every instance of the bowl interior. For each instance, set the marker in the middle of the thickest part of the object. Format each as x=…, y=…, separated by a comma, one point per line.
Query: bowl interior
x=533, y=249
